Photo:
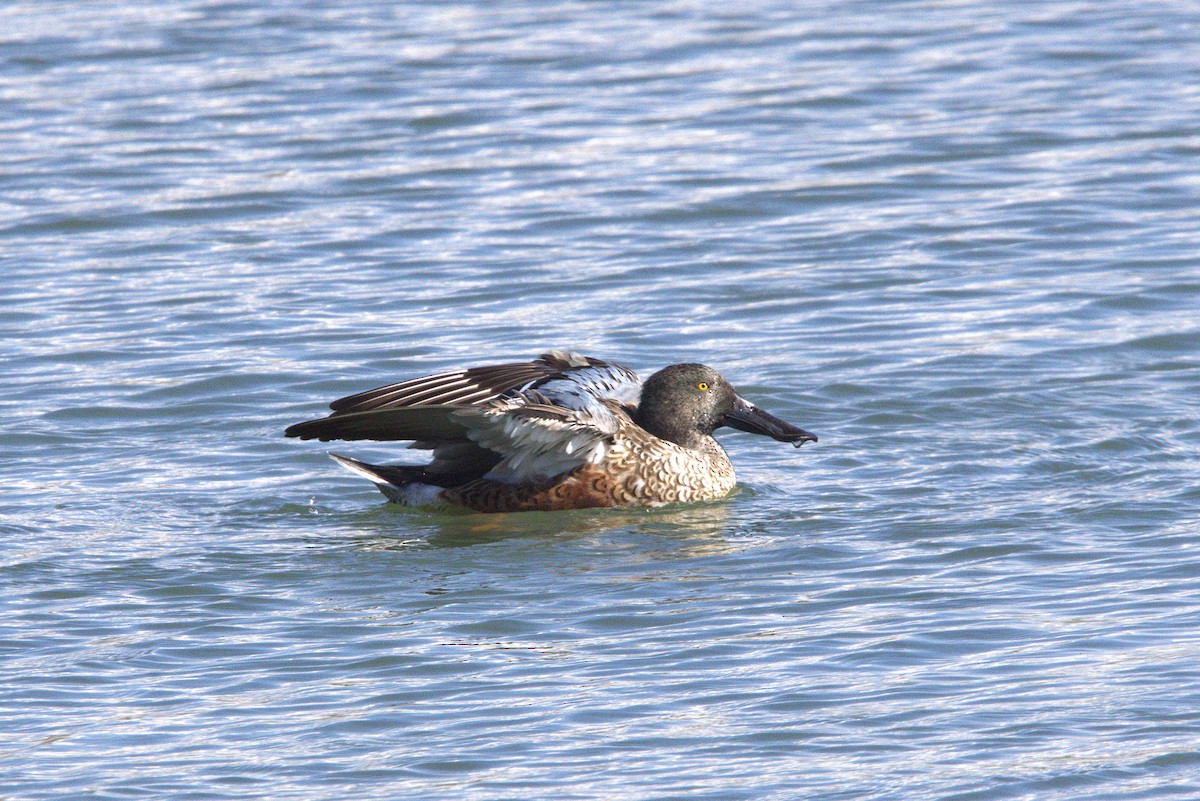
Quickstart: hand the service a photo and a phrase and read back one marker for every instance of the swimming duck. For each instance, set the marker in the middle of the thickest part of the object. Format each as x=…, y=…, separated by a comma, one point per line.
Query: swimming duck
x=563, y=431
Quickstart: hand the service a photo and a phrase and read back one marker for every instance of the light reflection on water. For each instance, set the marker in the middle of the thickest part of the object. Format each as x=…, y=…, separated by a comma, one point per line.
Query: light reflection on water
x=956, y=241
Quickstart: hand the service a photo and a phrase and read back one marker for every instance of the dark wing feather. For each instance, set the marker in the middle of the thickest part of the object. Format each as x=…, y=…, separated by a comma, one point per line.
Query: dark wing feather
x=429, y=423
x=462, y=387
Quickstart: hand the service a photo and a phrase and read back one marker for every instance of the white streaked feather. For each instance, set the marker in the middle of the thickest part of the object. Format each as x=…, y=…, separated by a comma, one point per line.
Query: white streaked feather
x=539, y=441
x=584, y=388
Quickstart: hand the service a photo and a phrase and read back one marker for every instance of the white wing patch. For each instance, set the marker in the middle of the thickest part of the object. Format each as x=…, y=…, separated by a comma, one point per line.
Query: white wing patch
x=538, y=439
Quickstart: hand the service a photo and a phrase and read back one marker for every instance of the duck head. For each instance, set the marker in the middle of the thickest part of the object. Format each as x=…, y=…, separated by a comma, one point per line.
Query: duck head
x=686, y=403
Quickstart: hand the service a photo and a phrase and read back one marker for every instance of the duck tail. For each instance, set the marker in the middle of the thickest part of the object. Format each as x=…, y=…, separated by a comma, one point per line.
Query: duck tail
x=401, y=484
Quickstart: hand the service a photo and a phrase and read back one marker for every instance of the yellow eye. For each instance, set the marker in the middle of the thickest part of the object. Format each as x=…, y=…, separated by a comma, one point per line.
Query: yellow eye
x=702, y=385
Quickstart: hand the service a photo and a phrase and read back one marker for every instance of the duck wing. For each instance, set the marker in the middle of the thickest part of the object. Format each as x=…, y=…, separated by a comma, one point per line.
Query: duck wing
x=424, y=409
x=426, y=423
x=555, y=373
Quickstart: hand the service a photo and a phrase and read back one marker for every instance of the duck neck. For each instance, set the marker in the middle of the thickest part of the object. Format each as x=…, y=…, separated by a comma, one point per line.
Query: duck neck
x=672, y=429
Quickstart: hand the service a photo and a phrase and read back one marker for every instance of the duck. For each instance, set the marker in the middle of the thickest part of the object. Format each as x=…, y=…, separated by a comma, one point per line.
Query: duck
x=563, y=431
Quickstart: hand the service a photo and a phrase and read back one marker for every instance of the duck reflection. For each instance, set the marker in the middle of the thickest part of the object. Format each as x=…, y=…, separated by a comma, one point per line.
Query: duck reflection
x=696, y=528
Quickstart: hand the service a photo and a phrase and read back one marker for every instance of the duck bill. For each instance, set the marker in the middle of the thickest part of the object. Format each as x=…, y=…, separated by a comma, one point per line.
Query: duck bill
x=745, y=416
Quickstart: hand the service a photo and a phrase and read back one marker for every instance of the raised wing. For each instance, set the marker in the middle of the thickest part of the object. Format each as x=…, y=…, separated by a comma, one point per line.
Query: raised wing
x=423, y=409
x=560, y=375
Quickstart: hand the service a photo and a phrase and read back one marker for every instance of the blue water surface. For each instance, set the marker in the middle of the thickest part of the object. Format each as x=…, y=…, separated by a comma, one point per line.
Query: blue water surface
x=958, y=240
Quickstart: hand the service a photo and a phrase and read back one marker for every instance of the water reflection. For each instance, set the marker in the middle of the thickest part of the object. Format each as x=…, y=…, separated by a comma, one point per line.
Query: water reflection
x=702, y=528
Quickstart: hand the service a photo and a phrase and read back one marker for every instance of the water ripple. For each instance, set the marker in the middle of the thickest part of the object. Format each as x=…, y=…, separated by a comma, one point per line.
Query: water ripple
x=956, y=240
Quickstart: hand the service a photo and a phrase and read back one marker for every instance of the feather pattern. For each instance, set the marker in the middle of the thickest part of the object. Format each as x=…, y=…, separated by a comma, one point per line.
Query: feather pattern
x=477, y=385
x=586, y=389
x=538, y=439
x=432, y=423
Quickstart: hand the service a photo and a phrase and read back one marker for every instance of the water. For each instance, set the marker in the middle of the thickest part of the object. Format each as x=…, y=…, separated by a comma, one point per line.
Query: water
x=956, y=240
